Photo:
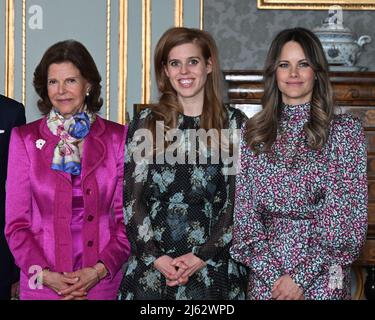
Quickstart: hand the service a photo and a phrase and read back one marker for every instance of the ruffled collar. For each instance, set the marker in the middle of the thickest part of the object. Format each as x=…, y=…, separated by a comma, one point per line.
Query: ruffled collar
x=295, y=112
x=290, y=138
x=294, y=117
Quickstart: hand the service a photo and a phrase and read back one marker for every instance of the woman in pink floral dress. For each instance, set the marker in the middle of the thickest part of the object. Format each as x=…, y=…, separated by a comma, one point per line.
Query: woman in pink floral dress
x=301, y=194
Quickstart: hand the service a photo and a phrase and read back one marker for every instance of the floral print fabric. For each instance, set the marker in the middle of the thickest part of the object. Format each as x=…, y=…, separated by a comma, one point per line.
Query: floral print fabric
x=174, y=209
x=72, y=131
x=301, y=211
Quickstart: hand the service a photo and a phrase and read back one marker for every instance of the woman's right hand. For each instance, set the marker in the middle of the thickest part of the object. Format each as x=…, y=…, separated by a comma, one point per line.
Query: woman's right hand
x=285, y=288
x=163, y=264
x=58, y=282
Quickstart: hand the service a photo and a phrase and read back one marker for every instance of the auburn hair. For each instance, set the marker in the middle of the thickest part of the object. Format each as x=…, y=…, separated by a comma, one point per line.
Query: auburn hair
x=168, y=108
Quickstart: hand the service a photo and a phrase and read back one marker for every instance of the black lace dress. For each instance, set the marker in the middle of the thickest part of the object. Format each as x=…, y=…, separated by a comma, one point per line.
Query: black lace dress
x=174, y=209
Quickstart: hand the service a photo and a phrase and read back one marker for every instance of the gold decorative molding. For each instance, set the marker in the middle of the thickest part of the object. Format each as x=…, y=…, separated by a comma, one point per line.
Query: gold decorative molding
x=201, y=12
x=9, y=49
x=146, y=51
x=179, y=13
x=316, y=5
x=108, y=59
x=123, y=60
x=11, y=67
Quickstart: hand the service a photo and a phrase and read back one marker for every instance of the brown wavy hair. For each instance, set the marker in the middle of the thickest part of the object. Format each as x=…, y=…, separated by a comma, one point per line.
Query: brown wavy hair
x=167, y=110
x=76, y=53
x=261, y=129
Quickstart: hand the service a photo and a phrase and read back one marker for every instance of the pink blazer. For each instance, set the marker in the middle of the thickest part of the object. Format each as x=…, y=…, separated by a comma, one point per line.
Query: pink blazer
x=39, y=202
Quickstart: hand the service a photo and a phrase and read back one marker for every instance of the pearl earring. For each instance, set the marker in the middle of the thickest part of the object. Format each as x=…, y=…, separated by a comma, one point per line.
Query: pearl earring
x=87, y=93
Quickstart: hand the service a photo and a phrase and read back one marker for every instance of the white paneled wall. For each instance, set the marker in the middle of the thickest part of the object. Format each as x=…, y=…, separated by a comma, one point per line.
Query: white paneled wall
x=120, y=35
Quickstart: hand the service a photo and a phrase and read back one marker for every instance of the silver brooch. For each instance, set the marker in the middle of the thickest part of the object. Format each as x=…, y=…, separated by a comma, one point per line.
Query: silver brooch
x=336, y=277
x=40, y=143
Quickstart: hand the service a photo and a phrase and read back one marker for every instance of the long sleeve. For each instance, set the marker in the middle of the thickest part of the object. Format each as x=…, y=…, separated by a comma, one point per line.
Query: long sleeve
x=137, y=220
x=250, y=243
x=341, y=215
x=20, y=119
x=117, y=251
x=22, y=244
x=217, y=245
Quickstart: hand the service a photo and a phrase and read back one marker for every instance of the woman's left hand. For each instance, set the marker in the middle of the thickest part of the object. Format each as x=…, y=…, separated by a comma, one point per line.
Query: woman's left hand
x=193, y=263
x=88, y=278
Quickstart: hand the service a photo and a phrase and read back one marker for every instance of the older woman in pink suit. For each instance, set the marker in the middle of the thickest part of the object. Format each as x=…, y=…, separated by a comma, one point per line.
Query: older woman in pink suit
x=64, y=220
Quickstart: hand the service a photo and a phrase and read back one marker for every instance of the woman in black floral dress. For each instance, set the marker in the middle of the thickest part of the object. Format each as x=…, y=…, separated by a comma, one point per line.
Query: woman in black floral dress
x=179, y=201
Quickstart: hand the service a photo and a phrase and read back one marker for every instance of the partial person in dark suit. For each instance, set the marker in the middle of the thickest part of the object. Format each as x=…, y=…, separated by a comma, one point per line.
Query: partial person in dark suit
x=12, y=114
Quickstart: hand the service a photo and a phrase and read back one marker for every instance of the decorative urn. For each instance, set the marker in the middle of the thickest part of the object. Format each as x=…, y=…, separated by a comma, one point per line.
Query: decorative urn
x=340, y=47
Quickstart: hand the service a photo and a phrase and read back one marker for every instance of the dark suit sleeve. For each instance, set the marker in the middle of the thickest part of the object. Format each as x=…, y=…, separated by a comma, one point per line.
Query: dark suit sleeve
x=20, y=119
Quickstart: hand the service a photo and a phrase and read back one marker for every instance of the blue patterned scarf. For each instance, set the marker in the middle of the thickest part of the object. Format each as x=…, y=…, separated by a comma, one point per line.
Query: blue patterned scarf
x=71, y=131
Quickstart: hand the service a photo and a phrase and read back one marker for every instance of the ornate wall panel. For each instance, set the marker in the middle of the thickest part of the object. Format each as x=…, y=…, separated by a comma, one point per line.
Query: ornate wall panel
x=243, y=32
x=39, y=24
x=120, y=34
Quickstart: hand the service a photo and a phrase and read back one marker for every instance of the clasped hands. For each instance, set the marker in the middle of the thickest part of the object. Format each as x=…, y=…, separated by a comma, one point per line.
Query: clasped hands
x=74, y=285
x=178, y=270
